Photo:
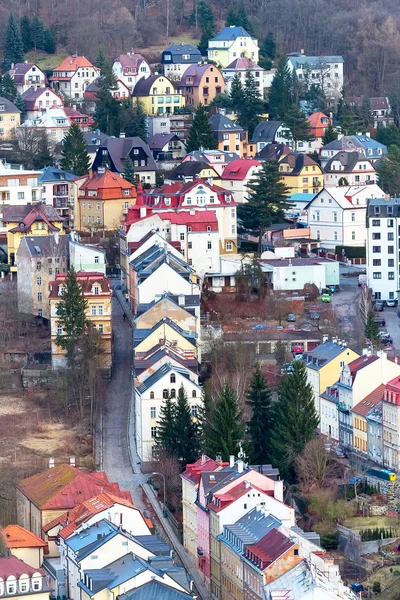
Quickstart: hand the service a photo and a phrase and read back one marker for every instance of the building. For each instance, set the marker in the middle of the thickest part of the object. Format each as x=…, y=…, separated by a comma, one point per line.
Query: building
x=201, y=83
x=191, y=170
x=324, y=71
x=26, y=220
x=49, y=494
x=158, y=95
x=120, y=92
x=294, y=273
x=374, y=433
x=349, y=168
x=301, y=174
x=27, y=76
x=113, y=152
x=40, y=100
x=59, y=190
x=382, y=221
x=129, y=68
x=72, y=77
x=93, y=140
x=25, y=545
x=319, y=123
x=155, y=589
x=265, y=133
x=177, y=58
x=54, y=123
x=84, y=257
x=273, y=151
x=39, y=259
x=379, y=108
x=21, y=580
x=18, y=186
x=390, y=424
x=165, y=307
x=170, y=332
x=239, y=67
x=337, y=215
x=231, y=43
x=96, y=290
x=360, y=422
x=237, y=175
x=217, y=159
x=229, y=135
x=84, y=121
x=10, y=118
x=363, y=144
x=167, y=148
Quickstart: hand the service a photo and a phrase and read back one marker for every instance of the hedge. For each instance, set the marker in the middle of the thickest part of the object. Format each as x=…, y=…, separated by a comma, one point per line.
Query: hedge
x=350, y=252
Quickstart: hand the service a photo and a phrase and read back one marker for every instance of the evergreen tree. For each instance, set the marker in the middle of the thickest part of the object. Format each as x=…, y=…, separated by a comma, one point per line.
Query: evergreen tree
x=13, y=47
x=297, y=128
x=259, y=399
x=279, y=96
x=267, y=201
x=101, y=59
x=371, y=328
x=231, y=17
x=388, y=171
x=25, y=27
x=44, y=157
x=107, y=113
x=295, y=419
x=226, y=428
x=389, y=136
x=187, y=439
x=201, y=134
x=74, y=156
x=204, y=418
x=71, y=312
x=350, y=123
x=129, y=170
x=49, y=41
x=134, y=121
x=166, y=430
x=268, y=47
x=37, y=32
x=236, y=93
x=242, y=20
x=20, y=104
x=8, y=89
x=330, y=135
x=251, y=106
x=206, y=22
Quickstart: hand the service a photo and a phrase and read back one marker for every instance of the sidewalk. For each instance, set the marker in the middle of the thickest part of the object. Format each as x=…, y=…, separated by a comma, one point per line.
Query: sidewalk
x=125, y=306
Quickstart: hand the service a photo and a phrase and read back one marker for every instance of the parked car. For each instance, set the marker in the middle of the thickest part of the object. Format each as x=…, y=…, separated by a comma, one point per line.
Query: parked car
x=291, y=318
x=340, y=453
x=391, y=303
x=331, y=288
x=378, y=306
x=298, y=349
x=325, y=298
x=287, y=368
x=357, y=587
x=380, y=321
x=314, y=315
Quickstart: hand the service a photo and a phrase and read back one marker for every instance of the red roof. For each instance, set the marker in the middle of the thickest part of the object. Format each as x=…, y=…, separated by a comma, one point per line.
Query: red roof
x=11, y=565
x=16, y=536
x=361, y=362
x=239, y=168
x=40, y=212
x=176, y=193
x=363, y=407
x=223, y=499
x=315, y=120
x=73, y=63
x=130, y=61
x=86, y=280
x=269, y=548
x=203, y=464
x=244, y=63
x=108, y=185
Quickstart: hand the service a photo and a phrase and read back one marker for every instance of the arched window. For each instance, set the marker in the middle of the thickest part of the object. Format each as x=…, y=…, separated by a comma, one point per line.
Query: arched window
x=165, y=394
x=172, y=378
x=173, y=393
x=194, y=394
x=151, y=395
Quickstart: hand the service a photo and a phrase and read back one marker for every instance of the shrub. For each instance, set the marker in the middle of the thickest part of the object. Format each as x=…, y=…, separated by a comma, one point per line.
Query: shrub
x=376, y=588
x=350, y=252
x=330, y=541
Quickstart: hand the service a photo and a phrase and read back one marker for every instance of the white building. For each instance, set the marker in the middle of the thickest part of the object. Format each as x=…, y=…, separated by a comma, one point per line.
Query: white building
x=18, y=186
x=237, y=175
x=239, y=67
x=54, y=122
x=84, y=257
x=27, y=75
x=349, y=168
x=177, y=58
x=73, y=75
x=295, y=273
x=325, y=71
x=39, y=100
x=231, y=43
x=131, y=67
x=383, y=221
x=336, y=215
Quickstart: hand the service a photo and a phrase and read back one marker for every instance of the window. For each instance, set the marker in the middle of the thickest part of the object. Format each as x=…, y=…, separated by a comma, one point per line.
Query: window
x=335, y=236
x=209, y=245
x=39, y=280
x=40, y=312
x=353, y=216
x=376, y=249
x=50, y=271
x=377, y=275
x=59, y=330
x=96, y=260
x=153, y=412
x=96, y=290
x=11, y=587
x=94, y=311
x=334, y=217
x=151, y=395
x=229, y=246
x=21, y=196
x=165, y=394
x=390, y=249
x=173, y=393
x=172, y=378
x=100, y=309
x=296, y=552
x=194, y=411
x=390, y=262
x=182, y=237
x=190, y=244
x=39, y=296
x=390, y=222
x=391, y=275
x=390, y=236
x=353, y=235
x=376, y=262
x=376, y=236
x=101, y=328
x=154, y=432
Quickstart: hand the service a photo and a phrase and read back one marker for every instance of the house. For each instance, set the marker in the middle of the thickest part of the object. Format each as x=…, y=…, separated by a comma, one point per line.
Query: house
x=154, y=589
x=201, y=83
x=181, y=124
x=102, y=200
x=167, y=148
x=349, y=168
x=129, y=68
x=323, y=71
x=54, y=123
x=84, y=121
x=113, y=152
x=191, y=170
x=319, y=123
x=24, y=545
x=166, y=307
x=273, y=151
x=49, y=494
x=72, y=76
x=20, y=580
x=231, y=43
x=163, y=353
x=267, y=132
x=337, y=215
x=178, y=57
x=374, y=433
x=26, y=76
x=121, y=91
x=167, y=330
x=150, y=396
x=237, y=175
x=217, y=159
x=229, y=135
x=60, y=191
x=241, y=66
x=382, y=222
x=93, y=140
x=158, y=95
x=301, y=174
x=379, y=108
x=84, y=257
x=294, y=273
x=10, y=118
x=39, y=258
x=96, y=290
x=18, y=187
x=20, y=221
x=390, y=424
x=360, y=424
x=40, y=100
x=363, y=144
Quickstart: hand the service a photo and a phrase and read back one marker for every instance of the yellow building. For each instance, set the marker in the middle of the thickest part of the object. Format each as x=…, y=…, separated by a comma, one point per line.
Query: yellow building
x=359, y=418
x=158, y=95
x=20, y=221
x=301, y=174
x=166, y=329
x=97, y=292
x=229, y=135
x=104, y=197
x=10, y=119
x=230, y=43
x=24, y=544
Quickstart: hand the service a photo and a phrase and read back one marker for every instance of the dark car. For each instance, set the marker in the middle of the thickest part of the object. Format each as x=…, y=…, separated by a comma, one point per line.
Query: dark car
x=291, y=318
x=378, y=306
x=380, y=321
x=357, y=587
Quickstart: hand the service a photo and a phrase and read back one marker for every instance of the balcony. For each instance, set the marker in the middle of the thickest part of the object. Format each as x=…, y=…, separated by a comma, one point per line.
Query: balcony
x=342, y=407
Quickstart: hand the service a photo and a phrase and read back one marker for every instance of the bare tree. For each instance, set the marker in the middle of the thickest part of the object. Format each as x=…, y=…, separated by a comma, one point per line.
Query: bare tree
x=316, y=468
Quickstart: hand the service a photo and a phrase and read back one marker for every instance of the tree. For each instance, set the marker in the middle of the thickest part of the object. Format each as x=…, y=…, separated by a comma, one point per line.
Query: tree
x=34, y=151
x=187, y=439
x=207, y=24
x=330, y=135
x=389, y=136
x=236, y=92
x=74, y=156
x=20, y=104
x=226, y=428
x=8, y=89
x=44, y=156
x=134, y=121
x=13, y=47
x=371, y=328
x=129, y=170
x=259, y=400
x=297, y=128
x=166, y=430
x=204, y=418
x=231, y=17
x=71, y=312
x=107, y=113
x=295, y=419
x=350, y=123
x=25, y=27
x=201, y=134
x=268, y=47
x=388, y=171
x=101, y=59
x=49, y=41
x=251, y=105
x=242, y=20
x=37, y=32
x=267, y=200
x=315, y=467
x=279, y=96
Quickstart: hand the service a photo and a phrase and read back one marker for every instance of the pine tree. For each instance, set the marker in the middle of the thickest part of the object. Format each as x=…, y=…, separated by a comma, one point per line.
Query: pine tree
x=297, y=128
x=8, y=89
x=371, y=328
x=236, y=93
x=74, y=156
x=107, y=113
x=295, y=419
x=279, y=96
x=231, y=17
x=134, y=121
x=44, y=157
x=259, y=399
x=267, y=200
x=101, y=59
x=201, y=134
x=71, y=312
x=25, y=27
x=350, y=123
x=204, y=418
x=187, y=439
x=166, y=430
x=13, y=47
x=268, y=47
x=242, y=20
x=388, y=171
x=226, y=428
x=389, y=136
x=330, y=135
x=129, y=170
x=37, y=32
x=206, y=22
x=252, y=106
x=49, y=41
x=20, y=104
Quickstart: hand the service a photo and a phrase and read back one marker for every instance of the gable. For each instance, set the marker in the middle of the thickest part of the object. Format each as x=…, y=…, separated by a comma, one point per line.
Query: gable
x=163, y=308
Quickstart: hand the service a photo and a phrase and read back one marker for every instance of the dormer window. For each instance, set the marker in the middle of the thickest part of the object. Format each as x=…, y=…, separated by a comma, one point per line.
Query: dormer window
x=23, y=585
x=36, y=584
x=96, y=289
x=11, y=587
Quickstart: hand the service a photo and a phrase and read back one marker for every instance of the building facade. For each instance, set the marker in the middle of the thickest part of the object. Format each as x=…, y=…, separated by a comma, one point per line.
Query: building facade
x=231, y=43
x=72, y=76
x=201, y=83
x=10, y=118
x=158, y=95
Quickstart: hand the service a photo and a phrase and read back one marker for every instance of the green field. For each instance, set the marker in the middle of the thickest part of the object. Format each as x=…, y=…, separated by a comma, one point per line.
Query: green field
x=46, y=61
x=359, y=523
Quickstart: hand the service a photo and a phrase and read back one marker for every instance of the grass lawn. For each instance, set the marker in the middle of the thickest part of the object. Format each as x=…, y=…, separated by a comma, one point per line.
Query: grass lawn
x=390, y=582
x=186, y=38
x=359, y=523
x=46, y=61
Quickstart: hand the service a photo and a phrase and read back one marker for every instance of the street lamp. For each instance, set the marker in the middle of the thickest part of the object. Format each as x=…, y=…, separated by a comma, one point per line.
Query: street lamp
x=163, y=476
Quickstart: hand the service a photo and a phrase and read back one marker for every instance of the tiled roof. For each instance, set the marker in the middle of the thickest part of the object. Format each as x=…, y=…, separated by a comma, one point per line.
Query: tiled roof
x=361, y=362
x=159, y=374
x=222, y=498
x=197, y=71
x=177, y=51
x=266, y=131
x=238, y=169
x=322, y=354
x=269, y=548
x=141, y=334
x=353, y=142
x=312, y=61
x=155, y=590
x=159, y=140
x=189, y=168
x=245, y=64
x=229, y=33
x=315, y=119
x=220, y=122
x=46, y=245
x=8, y=107
x=108, y=185
x=73, y=63
x=52, y=174
x=250, y=528
x=26, y=215
x=273, y=151
x=132, y=61
x=16, y=536
x=348, y=160
x=86, y=280
x=369, y=402
x=297, y=162
x=11, y=565
x=143, y=86
x=205, y=463
x=120, y=148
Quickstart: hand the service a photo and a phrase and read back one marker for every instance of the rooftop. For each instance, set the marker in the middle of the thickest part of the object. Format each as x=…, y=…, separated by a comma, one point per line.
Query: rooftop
x=323, y=354
x=73, y=63
x=16, y=536
x=369, y=402
x=230, y=34
x=8, y=106
x=269, y=548
x=155, y=590
x=238, y=169
x=11, y=565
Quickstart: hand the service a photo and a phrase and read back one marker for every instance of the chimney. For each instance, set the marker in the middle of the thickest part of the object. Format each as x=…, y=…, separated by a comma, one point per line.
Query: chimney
x=52, y=463
x=203, y=459
x=278, y=490
x=247, y=484
x=72, y=461
x=101, y=170
x=231, y=460
x=368, y=134
x=239, y=466
x=56, y=237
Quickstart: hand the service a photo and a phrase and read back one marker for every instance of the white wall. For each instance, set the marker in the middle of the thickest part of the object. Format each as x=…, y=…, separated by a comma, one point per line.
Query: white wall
x=295, y=277
x=164, y=279
x=383, y=287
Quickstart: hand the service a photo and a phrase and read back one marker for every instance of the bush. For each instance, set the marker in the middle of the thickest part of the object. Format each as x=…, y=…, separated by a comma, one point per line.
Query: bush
x=330, y=541
x=356, y=252
x=376, y=588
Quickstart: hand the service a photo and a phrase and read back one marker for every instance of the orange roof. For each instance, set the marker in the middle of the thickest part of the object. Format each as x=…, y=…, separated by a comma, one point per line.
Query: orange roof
x=108, y=185
x=315, y=119
x=16, y=536
x=363, y=407
x=72, y=63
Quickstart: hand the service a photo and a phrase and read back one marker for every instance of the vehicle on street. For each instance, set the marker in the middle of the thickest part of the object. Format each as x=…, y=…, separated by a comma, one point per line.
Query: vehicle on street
x=380, y=321
x=314, y=315
x=391, y=303
x=340, y=453
x=291, y=318
x=378, y=306
x=385, y=474
x=287, y=368
x=331, y=289
x=298, y=349
x=325, y=298
x=357, y=587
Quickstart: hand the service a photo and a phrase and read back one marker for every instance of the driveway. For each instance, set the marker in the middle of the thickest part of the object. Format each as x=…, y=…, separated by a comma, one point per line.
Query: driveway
x=392, y=325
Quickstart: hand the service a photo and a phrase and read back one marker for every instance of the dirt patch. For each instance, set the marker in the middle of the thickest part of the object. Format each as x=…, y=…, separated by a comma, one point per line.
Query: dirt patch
x=11, y=405
x=48, y=439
